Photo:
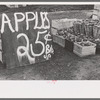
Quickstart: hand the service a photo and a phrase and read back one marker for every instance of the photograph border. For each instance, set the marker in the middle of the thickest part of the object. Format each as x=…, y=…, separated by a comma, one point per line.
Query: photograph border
x=47, y=89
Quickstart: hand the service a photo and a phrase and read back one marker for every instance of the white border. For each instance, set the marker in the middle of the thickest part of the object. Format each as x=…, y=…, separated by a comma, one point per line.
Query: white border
x=47, y=89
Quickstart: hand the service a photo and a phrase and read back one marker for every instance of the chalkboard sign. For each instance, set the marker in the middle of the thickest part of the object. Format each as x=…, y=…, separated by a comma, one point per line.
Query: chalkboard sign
x=26, y=38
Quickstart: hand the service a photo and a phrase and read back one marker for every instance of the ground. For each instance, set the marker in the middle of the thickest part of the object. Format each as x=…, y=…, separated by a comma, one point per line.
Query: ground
x=64, y=65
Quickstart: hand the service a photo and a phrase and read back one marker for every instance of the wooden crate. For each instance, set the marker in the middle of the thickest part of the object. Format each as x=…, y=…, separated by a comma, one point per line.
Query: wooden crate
x=96, y=31
x=60, y=40
x=69, y=45
x=97, y=50
x=82, y=51
x=89, y=30
x=53, y=31
x=97, y=47
x=77, y=27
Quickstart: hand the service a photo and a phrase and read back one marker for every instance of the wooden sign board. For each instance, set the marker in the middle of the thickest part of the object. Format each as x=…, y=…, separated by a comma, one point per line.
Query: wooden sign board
x=26, y=38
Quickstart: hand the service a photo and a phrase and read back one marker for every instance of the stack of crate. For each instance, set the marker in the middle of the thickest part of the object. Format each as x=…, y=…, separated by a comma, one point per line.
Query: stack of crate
x=60, y=24
x=80, y=28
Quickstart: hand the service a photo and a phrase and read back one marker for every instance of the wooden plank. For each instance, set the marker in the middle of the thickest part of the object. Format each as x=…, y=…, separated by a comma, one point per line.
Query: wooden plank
x=25, y=47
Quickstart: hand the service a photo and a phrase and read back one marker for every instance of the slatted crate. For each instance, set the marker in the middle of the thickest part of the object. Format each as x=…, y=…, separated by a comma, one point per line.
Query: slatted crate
x=69, y=45
x=60, y=40
x=97, y=50
x=96, y=31
x=83, y=51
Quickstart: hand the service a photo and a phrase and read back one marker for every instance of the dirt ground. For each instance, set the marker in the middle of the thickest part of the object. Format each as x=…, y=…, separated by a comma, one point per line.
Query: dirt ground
x=64, y=65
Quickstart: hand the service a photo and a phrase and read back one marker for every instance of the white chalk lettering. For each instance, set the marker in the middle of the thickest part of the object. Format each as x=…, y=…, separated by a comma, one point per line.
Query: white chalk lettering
x=6, y=20
x=48, y=49
x=36, y=22
x=29, y=19
x=38, y=42
x=46, y=37
x=18, y=20
x=43, y=19
x=25, y=49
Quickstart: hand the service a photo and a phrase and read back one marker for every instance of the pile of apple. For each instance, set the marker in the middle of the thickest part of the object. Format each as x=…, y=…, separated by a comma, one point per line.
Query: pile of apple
x=69, y=34
x=85, y=43
x=97, y=42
